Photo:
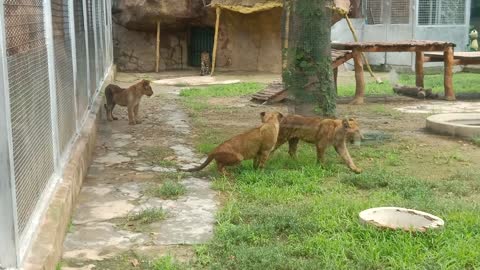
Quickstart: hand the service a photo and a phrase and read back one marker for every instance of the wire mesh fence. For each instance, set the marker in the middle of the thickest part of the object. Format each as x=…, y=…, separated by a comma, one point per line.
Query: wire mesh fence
x=29, y=103
x=441, y=12
x=56, y=56
x=91, y=48
x=81, y=85
x=65, y=98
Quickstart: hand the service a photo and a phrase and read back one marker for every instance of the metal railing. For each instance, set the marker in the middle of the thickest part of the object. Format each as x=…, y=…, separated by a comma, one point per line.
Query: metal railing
x=54, y=56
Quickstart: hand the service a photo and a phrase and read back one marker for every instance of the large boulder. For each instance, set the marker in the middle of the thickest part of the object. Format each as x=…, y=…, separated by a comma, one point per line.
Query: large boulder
x=143, y=14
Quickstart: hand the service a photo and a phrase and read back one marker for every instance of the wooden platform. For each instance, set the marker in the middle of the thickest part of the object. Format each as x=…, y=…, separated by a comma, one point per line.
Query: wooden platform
x=275, y=91
x=420, y=47
x=395, y=46
x=460, y=58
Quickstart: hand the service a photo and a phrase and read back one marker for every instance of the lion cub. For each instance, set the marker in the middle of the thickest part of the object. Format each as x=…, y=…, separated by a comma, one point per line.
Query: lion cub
x=322, y=132
x=254, y=144
x=129, y=97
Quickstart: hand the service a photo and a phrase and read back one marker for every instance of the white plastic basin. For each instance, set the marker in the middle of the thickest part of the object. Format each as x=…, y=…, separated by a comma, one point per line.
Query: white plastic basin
x=400, y=218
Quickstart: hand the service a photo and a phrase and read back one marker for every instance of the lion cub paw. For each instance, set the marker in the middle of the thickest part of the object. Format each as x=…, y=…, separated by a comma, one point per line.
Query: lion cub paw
x=357, y=170
x=131, y=123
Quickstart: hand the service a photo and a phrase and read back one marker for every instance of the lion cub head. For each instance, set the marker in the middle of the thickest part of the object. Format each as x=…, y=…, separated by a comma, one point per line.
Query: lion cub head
x=146, y=88
x=269, y=116
x=352, y=131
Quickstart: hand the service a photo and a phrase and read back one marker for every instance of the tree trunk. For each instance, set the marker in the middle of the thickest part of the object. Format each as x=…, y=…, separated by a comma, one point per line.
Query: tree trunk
x=308, y=71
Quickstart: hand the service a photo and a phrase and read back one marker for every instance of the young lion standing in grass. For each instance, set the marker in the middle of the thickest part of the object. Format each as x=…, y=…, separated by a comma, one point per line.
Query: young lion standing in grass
x=254, y=144
x=323, y=133
x=129, y=97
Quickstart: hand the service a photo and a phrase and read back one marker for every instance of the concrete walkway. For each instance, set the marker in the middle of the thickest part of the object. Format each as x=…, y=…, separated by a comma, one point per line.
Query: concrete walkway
x=130, y=162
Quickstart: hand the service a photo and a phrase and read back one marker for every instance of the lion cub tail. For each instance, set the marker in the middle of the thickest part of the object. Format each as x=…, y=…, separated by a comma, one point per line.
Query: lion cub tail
x=109, y=94
x=201, y=167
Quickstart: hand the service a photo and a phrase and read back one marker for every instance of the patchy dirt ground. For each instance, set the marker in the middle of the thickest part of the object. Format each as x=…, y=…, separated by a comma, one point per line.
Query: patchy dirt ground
x=118, y=213
x=403, y=122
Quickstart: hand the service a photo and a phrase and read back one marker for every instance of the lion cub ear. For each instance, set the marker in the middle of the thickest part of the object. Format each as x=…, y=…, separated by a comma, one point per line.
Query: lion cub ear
x=145, y=82
x=345, y=123
x=262, y=114
x=280, y=116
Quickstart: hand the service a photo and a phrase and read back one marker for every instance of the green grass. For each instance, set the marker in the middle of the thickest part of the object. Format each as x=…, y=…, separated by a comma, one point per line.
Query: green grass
x=168, y=190
x=147, y=216
x=229, y=90
x=476, y=140
x=296, y=215
x=132, y=261
x=165, y=263
x=196, y=98
x=156, y=155
x=463, y=83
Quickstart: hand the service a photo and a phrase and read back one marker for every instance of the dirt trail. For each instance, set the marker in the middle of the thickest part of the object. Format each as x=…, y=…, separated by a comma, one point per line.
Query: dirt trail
x=128, y=162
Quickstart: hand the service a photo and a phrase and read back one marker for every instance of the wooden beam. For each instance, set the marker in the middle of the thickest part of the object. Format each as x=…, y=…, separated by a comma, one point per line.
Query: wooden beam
x=215, y=41
x=157, y=62
x=419, y=69
x=359, y=78
x=380, y=48
x=448, y=76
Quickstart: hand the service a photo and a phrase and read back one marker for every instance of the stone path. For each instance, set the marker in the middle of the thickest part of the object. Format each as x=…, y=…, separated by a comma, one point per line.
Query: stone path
x=130, y=160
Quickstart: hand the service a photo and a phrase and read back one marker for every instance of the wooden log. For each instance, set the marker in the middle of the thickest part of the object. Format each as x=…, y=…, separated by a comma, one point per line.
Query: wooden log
x=419, y=69
x=215, y=40
x=414, y=91
x=157, y=62
x=359, y=79
x=393, y=48
x=448, y=76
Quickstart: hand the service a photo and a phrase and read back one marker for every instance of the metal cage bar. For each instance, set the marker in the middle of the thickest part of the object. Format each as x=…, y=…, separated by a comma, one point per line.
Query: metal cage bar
x=30, y=105
x=8, y=205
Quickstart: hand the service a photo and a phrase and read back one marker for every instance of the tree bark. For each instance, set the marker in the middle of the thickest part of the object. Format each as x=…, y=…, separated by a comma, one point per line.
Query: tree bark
x=308, y=73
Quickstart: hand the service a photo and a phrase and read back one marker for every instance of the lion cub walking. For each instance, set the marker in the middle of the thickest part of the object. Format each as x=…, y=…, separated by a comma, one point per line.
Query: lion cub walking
x=254, y=144
x=323, y=133
x=129, y=97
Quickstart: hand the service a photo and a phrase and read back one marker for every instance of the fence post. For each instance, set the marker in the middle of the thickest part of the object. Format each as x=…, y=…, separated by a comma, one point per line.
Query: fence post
x=71, y=23
x=87, y=54
x=110, y=23
x=95, y=38
x=8, y=223
x=47, y=13
x=107, y=37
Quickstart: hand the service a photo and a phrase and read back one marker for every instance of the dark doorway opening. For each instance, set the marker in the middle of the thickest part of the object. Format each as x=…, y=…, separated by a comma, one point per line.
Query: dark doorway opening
x=201, y=40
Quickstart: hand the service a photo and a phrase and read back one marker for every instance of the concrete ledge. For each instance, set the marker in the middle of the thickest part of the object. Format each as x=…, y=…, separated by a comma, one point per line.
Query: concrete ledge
x=466, y=125
x=46, y=249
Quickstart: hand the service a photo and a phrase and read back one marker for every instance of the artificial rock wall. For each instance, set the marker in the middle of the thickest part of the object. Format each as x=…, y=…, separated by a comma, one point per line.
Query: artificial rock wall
x=250, y=42
x=136, y=50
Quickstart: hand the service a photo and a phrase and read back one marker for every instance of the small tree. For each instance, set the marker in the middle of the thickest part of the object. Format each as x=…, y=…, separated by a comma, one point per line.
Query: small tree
x=307, y=66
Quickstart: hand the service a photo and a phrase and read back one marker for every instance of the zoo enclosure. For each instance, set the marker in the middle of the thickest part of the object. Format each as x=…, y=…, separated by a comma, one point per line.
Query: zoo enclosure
x=54, y=57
